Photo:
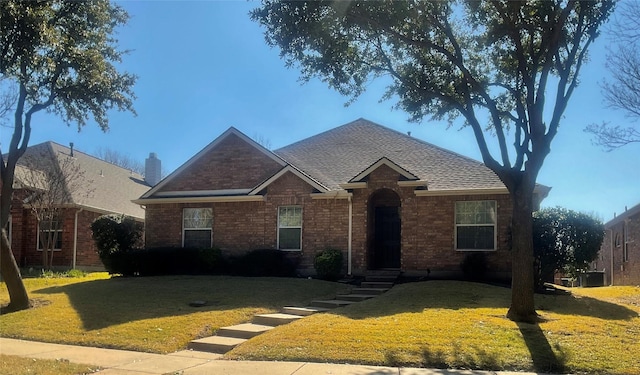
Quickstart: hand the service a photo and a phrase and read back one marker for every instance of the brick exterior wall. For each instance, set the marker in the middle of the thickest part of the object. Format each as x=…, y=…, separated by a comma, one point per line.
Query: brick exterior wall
x=24, y=238
x=236, y=163
x=427, y=225
x=623, y=232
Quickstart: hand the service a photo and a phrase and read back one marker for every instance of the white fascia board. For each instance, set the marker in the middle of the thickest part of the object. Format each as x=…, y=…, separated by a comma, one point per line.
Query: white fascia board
x=337, y=194
x=208, y=148
x=438, y=193
x=280, y=173
x=384, y=161
x=354, y=185
x=200, y=193
x=210, y=199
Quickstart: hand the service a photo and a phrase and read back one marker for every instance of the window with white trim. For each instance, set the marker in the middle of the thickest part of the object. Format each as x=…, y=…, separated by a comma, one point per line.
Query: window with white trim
x=50, y=232
x=197, y=224
x=475, y=225
x=290, y=228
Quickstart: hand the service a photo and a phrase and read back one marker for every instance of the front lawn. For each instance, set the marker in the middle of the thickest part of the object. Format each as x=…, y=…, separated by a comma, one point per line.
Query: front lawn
x=150, y=314
x=449, y=324
x=10, y=364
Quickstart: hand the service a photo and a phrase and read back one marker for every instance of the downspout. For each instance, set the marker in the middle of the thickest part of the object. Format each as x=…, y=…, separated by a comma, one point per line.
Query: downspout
x=75, y=237
x=349, y=236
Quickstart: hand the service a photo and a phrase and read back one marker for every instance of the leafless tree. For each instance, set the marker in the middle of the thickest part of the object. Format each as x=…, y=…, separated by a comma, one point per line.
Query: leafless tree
x=55, y=181
x=262, y=141
x=120, y=159
x=622, y=92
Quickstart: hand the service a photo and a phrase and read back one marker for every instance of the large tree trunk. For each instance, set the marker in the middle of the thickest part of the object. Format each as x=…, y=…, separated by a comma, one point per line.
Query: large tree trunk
x=11, y=276
x=522, y=307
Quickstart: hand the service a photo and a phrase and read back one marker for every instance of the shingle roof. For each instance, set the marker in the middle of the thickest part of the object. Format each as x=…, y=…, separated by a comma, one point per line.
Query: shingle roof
x=105, y=187
x=336, y=156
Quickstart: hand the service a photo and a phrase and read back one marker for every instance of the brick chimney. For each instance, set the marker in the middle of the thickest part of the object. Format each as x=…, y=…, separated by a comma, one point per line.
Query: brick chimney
x=152, y=169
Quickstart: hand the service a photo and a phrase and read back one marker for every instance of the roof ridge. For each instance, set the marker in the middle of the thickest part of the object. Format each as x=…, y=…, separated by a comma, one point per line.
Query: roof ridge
x=94, y=157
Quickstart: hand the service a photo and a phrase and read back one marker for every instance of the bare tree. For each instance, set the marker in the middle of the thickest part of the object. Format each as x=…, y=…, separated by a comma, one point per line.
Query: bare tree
x=55, y=180
x=622, y=92
x=118, y=158
x=262, y=141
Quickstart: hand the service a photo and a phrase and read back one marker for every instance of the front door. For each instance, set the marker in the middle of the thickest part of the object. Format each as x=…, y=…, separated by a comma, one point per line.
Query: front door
x=386, y=241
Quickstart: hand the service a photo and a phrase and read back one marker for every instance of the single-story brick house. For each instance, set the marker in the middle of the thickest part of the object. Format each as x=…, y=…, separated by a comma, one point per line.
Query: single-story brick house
x=386, y=199
x=100, y=188
x=619, y=255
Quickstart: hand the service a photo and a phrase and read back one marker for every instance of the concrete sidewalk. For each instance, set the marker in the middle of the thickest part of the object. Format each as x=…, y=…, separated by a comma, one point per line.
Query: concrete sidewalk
x=123, y=362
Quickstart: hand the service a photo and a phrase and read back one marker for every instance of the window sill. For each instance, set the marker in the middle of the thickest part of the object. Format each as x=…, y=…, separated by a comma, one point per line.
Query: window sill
x=291, y=250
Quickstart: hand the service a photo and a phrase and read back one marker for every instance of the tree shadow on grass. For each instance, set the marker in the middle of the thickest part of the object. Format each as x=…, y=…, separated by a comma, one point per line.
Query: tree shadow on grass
x=105, y=303
x=544, y=358
x=456, y=295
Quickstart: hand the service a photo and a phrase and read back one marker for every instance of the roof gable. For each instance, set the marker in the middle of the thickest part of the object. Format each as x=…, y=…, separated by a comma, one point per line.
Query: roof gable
x=384, y=161
x=207, y=159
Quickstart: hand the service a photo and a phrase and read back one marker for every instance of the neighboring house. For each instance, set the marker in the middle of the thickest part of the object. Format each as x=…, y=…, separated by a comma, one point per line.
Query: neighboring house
x=99, y=188
x=387, y=200
x=620, y=251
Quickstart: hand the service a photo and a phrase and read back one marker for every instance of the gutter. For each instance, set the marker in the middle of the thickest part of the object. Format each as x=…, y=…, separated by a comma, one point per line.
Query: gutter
x=75, y=237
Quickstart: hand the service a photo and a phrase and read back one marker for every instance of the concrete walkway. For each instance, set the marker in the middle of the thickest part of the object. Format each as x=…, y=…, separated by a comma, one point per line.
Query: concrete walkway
x=123, y=362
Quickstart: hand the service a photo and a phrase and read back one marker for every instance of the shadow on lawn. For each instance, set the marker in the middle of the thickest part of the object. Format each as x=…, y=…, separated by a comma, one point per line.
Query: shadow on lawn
x=104, y=303
x=457, y=295
x=542, y=354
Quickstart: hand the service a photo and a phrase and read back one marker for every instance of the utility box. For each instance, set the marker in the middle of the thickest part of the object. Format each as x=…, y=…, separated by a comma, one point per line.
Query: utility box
x=592, y=278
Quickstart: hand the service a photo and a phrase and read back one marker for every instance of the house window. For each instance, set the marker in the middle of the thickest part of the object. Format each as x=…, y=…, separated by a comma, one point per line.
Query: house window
x=475, y=225
x=197, y=224
x=50, y=232
x=625, y=244
x=616, y=241
x=290, y=228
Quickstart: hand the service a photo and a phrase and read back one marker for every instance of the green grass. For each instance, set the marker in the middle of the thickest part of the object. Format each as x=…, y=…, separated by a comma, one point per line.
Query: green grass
x=149, y=314
x=450, y=324
x=444, y=324
x=15, y=365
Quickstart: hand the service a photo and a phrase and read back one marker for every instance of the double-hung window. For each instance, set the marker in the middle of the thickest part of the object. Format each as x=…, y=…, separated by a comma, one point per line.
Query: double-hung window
x=475, y=227
x=290, y=228
x=197, y=224
x=50, y=233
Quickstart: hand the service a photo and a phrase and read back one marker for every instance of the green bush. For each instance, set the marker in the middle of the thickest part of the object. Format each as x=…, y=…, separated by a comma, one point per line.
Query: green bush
x=328, y=264
x=474, y=266
x=263, y=262
x=115, y=235
x=167, y=261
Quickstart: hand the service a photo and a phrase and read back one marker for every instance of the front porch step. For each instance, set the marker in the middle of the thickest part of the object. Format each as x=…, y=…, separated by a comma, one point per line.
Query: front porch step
x=243, y=331
x=372, y=291
x=354, y=297
x=331, y=304
x=276, y=319
x=215, y=344
x=303, y=311
x=381, y=278
x=377, y=284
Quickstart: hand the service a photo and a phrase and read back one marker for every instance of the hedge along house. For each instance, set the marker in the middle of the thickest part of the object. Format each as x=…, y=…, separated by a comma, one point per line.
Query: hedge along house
x=91, y=187
x=387, y=200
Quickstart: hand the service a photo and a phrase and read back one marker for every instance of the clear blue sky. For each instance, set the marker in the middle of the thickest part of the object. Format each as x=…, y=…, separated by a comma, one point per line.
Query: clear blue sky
x=203, y=66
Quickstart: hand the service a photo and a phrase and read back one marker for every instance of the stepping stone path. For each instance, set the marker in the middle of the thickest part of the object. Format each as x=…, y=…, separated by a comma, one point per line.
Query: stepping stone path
x=228, y=338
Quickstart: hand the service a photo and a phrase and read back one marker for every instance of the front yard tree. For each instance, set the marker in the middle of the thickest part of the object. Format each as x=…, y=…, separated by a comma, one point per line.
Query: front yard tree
x=60, y=57
x=54, y=181
x=491, y=62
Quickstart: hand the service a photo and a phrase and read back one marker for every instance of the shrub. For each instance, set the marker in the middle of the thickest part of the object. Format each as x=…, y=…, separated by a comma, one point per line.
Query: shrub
x=177, y=261
x=115, y=235
x=263, y=262
x=474, y=266
x=328, y=264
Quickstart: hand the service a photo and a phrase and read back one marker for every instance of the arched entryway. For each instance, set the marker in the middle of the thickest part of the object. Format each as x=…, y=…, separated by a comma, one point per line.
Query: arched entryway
x=384, y=229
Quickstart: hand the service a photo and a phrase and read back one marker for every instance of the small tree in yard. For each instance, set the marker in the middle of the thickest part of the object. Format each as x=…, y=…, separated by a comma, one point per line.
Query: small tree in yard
x=566, y=241
x=54, y=180
x=493, y=63
x=57, y=56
